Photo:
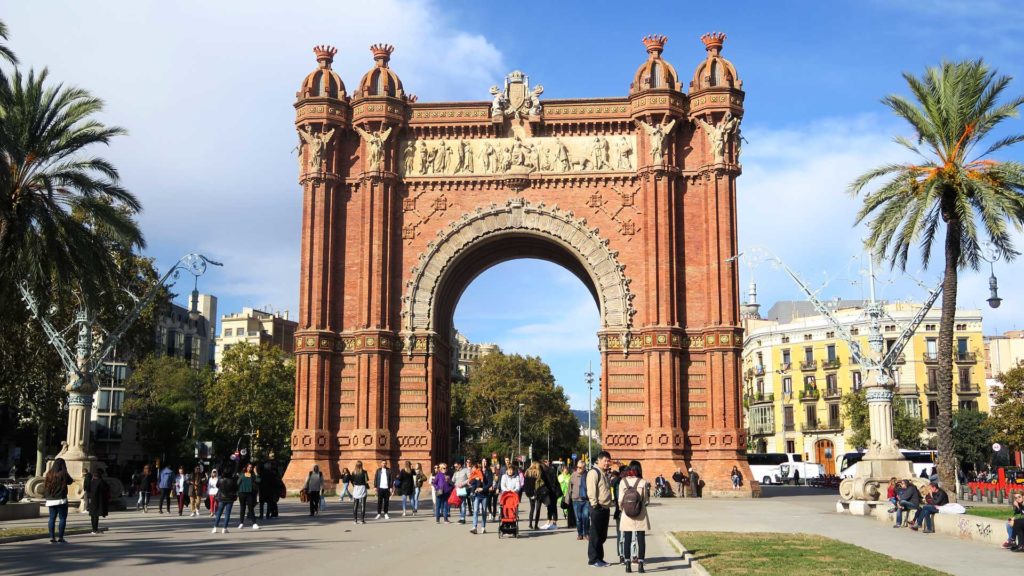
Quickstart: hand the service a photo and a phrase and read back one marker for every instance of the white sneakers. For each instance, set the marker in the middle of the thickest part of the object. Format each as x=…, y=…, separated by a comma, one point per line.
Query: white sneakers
x=377, y=517
x=403, y=514
x=483, y=530
x=242, y=525
x=255, y=526
x=386, y=517
x=224, y=530
x=214, y=531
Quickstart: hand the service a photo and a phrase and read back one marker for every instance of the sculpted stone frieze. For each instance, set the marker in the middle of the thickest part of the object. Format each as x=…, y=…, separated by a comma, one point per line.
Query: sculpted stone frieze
x=516, y=155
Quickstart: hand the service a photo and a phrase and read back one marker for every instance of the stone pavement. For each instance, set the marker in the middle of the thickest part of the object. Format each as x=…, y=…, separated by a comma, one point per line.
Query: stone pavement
x=296, y=544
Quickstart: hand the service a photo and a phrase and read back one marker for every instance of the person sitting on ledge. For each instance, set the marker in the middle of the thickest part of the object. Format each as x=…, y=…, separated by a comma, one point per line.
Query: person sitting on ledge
x=909, y=499
x=937, y=498
x=1015, y=525
x=890, y=495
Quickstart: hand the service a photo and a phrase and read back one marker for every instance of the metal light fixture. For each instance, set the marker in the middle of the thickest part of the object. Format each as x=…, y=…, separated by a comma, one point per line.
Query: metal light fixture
x=990, y=254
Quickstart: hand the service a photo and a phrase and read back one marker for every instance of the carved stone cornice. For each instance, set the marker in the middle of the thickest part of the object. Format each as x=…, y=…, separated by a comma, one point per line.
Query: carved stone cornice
x=319, y=178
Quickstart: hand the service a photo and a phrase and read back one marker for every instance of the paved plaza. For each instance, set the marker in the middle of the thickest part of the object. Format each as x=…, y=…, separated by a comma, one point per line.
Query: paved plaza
x=296, y=544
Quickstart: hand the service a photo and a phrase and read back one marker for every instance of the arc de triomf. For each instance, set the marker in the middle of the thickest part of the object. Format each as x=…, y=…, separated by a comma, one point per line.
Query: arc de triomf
x=406, y=202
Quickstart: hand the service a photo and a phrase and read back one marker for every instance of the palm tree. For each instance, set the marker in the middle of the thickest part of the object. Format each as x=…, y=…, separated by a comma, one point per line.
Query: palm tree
x=61, y=208
x=5, y=52
x=976, y=198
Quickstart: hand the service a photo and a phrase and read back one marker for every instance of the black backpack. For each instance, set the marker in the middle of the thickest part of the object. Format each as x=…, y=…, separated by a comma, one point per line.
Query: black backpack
x=632, y=501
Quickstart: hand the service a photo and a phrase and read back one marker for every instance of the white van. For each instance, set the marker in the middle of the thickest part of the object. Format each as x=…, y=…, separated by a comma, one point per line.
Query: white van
x=782, y=468
x=923, y=461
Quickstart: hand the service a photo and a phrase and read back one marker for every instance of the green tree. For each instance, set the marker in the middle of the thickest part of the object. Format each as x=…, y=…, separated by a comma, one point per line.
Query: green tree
x=5, y=52
x=906, y=427
x=973, y=196
x=972, y=437
x=254, y=394
x=1007, y=418
x=492, y=396
x=55, y=194
x=165, y=396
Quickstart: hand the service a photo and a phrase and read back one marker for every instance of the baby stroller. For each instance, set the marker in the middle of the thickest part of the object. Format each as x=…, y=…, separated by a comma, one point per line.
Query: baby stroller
x=509, y=503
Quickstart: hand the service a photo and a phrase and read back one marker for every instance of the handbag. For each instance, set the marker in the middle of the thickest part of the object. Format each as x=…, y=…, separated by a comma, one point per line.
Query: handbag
x=454, y=499
x=462, y=492
x=303, y=496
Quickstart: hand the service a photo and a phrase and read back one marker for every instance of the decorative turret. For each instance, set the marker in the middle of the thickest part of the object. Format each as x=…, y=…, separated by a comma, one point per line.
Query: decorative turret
x=655, y=73
x=323, y=82
x=381, y=80
x=715, y=71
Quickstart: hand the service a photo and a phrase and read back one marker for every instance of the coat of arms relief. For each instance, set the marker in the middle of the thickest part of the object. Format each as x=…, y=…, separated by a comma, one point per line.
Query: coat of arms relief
x=516, y=100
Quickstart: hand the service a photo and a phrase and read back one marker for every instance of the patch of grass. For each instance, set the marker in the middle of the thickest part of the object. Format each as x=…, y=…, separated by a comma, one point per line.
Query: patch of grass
x=9, y=532
x=986, y=512
x=772, y=554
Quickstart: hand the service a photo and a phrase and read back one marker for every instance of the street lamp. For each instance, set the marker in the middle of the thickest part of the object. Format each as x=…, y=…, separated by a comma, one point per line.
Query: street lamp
x=519, y=442
x=458, y=446
x=589, y=374
x=990, y=254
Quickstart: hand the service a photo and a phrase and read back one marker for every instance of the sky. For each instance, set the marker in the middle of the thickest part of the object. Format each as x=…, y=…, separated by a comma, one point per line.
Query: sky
x=205, y=90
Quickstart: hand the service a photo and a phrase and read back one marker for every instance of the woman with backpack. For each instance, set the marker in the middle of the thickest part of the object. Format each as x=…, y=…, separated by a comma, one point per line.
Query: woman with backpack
x=634, y=496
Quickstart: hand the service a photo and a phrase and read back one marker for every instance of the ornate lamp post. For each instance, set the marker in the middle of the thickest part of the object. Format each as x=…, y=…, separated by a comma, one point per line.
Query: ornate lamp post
x=87, y=358
x=519, y=442
x=990, y=254
x=589, y=375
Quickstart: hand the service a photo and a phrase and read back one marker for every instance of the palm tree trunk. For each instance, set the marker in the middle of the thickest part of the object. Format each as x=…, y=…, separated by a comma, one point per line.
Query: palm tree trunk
x=944, y=426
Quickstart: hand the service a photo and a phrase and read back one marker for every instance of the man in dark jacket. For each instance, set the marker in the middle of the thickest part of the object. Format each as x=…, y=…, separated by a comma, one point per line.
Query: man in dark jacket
x=694, y=483
x=382, y=480
x=924, y=515
x=909, y=499
x=678, y=479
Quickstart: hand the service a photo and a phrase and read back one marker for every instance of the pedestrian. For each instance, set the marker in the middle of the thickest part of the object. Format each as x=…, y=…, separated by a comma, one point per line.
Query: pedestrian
x=532, y=486
x=565, y=503
x=99, y=499
x=145, y=489
x=345, y=485
x=418, y=481
x=634, y=497
x=227, y=493
x=442, y=490
x=433, y=491
x=211, y=491
x=360, y=480
x=269, y=489
x=406, y=482
x=678, y=478
x=181, y=486
x=694, y=483
x=459, y=479
x=599, y=495
x=165, y=482
x=382, y=482
x=493, y=491
x=480, y=481
x=83, y=506
x=615, y=482
x=195, y=489
x=510, y=481
x=55, y=491
x=577, y=494
x=248, y=487
x=553, y=493
x=313, y=487
x=737, y=478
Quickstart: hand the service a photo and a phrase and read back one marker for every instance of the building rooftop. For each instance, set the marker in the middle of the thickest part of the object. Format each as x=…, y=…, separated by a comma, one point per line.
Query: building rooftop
x=785, y=311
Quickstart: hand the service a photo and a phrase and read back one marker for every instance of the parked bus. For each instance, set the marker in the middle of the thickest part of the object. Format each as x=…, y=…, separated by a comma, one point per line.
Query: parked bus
x=923, y=461
x=768, y=468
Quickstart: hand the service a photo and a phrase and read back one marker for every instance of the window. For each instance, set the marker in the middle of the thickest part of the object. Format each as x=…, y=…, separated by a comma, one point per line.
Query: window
x=854, y=331
x=857, y=384
x=933, y=377
x=808, y=354
x=833, y=414
x=965, y=377
x=890, y=327
x=961, y=346
x=809, y=382
x=790, y=446
x=787, y=418
x=831, y=384
x=933, y=412
x=830, y=334
x=787, y=385
x=785, y=339
x=171, y=339
x=929, y=327
x=971, y=405
x=228, y=331
x=187, y=348
x=960, y=327
x=913, y=406
x=889, y=343
x=831, y=351
x=931, y=348
x=786, y=360
x=808, y=337
x=812, y=415
x=760, y=387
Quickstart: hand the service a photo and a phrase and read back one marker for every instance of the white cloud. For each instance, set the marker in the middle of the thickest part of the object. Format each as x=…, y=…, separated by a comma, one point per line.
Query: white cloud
x=205, y=90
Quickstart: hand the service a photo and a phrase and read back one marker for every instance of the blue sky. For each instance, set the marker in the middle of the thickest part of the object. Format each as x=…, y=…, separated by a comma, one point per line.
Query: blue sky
x=205, y=91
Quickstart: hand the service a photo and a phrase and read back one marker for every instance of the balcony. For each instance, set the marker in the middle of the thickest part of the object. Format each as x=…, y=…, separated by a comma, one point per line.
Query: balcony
x=832, y=393
x=762, y=398
x=809, y=395
x=901, y=359
x=930, y=357
x=762, y=429
x=788, y=427
x=831, y=364
x=819, y=427
x=965, y=357
x=786, y=367
x=967, y=389
x=809, y=365
x=759, y=370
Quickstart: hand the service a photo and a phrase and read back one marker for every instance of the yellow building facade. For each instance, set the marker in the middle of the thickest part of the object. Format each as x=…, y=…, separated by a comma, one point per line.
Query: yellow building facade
x=796, y=372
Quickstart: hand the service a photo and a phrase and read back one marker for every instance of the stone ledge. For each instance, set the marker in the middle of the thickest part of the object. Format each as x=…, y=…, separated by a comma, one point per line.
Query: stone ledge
x=964, y=526
x=19, y=511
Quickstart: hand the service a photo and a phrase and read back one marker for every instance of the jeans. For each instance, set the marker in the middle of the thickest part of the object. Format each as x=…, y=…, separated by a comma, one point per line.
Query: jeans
x=359, y=509
x=582, y=510
x=225, y=510
x=144, y=498
x=441, y=508
x=924, y=517
x=60, y=511
x=165, y=496
x=893, y=501
x=598, y=534
x=463, y=506
x=904, y=505
x=492, y=504
x=480, y=509
x=415, y=500
x=641, y=544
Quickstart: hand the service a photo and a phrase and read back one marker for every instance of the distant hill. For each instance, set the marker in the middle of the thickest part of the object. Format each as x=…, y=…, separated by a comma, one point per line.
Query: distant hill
x=581, y=417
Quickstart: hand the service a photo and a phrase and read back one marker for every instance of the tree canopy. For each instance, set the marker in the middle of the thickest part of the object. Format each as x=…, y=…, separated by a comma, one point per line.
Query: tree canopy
x=1007, y=418
x=907, y=428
